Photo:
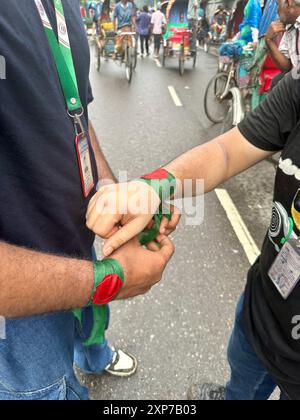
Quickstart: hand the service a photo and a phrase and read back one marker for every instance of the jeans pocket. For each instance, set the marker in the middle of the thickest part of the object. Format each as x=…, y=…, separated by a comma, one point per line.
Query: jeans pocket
x=54, y=392
x=73, y=396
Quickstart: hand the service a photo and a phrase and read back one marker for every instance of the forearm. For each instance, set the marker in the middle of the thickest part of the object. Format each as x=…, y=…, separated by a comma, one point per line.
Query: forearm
x=216, y=161
x=281, y=61
x=34, y=283
x=104, y=170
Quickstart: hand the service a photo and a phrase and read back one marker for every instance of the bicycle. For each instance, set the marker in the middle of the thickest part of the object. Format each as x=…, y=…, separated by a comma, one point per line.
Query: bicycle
x=216, y=98
x=228, y=97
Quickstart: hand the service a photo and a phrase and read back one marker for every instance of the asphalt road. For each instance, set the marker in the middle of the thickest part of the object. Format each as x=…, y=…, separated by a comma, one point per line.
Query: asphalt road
x=179, y=332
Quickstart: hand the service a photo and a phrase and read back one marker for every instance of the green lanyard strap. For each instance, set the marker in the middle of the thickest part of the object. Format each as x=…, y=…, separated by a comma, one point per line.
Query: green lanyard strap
x=62, y=54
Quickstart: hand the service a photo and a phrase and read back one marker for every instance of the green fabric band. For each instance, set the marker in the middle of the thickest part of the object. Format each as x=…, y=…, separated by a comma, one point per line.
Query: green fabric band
x=111, y=271
x=164, y=184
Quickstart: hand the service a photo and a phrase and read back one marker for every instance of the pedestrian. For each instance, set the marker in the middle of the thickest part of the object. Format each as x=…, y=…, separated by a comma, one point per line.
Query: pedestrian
x=264, y=349
x=193, y=11
x=158, y=23
x=286, y=54
x=124, y=21
x=50, y=163
x=144, y=28
x=219, y=25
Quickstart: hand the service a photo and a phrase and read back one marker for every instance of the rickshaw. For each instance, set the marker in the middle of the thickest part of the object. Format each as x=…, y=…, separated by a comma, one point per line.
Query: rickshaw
x=105, y=42
x=177, y=38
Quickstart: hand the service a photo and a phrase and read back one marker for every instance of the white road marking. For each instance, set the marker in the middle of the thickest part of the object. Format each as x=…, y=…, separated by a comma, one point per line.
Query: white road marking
x=158, y=63
x=238, y=225
x=174, y=96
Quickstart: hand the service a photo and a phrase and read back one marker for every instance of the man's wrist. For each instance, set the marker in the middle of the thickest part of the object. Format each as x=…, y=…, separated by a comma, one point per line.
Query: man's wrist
x=108, y=281
x=162, y=181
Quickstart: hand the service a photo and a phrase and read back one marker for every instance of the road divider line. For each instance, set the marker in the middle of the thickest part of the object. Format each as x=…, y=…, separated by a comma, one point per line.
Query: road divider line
x=158, y=63
x=238, y=225
x=174, y=96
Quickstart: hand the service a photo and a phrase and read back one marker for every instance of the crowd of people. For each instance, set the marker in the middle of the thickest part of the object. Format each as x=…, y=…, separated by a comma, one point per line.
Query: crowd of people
x=149, y=23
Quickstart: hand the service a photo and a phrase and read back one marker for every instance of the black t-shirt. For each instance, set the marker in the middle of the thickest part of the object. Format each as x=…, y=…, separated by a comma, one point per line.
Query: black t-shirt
x=275, y=126
x=41, y=201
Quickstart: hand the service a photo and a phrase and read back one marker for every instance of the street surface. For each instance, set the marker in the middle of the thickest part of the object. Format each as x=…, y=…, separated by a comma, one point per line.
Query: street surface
x=179, y=332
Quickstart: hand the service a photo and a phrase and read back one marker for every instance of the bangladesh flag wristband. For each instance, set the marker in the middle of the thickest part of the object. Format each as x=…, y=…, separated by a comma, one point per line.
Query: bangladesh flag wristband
x=163, y=183
x=108, y=282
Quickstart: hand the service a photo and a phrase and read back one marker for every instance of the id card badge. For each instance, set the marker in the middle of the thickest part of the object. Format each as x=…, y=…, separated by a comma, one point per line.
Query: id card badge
x=285, y=272
x=85, y=164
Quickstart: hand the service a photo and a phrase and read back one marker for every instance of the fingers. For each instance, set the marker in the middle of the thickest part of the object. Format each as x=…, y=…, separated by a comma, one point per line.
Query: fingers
x=112, y=232
x=167, y=248
x=167, y=227
x=94, y=199
x=153, y=246
x=103, y=225
x=101, y=217
x=278, y=27
x=124, y=234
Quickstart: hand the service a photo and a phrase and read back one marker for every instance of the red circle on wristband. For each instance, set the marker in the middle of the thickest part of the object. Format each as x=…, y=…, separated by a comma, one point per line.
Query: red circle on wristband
x=107, y=289
x=158, y=174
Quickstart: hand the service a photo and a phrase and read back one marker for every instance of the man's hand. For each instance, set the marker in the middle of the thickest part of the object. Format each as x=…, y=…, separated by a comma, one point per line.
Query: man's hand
x=120, y=212
x=274, y=30
x=143, y=268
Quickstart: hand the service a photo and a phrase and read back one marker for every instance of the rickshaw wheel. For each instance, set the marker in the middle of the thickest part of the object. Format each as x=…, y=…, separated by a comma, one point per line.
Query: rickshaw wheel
x=98, y=56
x=195, y=59
x=206, y=46
x=181, y=62
x=135, y=56
x=129, y=63
x=216, y=109
x=164, y=57
x=227, y=124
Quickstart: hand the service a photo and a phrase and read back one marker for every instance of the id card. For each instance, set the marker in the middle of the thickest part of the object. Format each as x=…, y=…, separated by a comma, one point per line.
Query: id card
x=85, y=164
x=285, y=272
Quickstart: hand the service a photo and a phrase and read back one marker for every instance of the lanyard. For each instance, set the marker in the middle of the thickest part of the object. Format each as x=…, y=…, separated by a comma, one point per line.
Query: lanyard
x=62, y=55
x=297, y=42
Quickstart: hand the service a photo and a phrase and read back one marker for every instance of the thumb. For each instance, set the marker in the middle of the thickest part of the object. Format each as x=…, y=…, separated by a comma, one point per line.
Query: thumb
x=167, y=248
x=125, y=234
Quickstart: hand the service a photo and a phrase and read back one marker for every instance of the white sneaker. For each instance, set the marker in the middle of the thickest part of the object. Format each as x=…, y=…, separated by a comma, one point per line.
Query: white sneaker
x=122, y=365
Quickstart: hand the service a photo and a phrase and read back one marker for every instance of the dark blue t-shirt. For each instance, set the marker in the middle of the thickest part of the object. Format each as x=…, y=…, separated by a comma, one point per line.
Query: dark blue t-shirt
x=41, y=201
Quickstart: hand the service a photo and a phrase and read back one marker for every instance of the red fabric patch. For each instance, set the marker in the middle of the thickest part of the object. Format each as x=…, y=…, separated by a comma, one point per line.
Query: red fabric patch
x=158, y=174
x=107, y=289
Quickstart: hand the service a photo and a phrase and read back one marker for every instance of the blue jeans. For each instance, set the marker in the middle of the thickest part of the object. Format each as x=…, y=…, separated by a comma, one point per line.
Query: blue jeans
x=37, y=357
x=249, y=381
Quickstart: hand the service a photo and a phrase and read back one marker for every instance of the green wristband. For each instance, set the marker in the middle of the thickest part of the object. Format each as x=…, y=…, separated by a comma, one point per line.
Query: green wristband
x=164, y=184
x=108, y=282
